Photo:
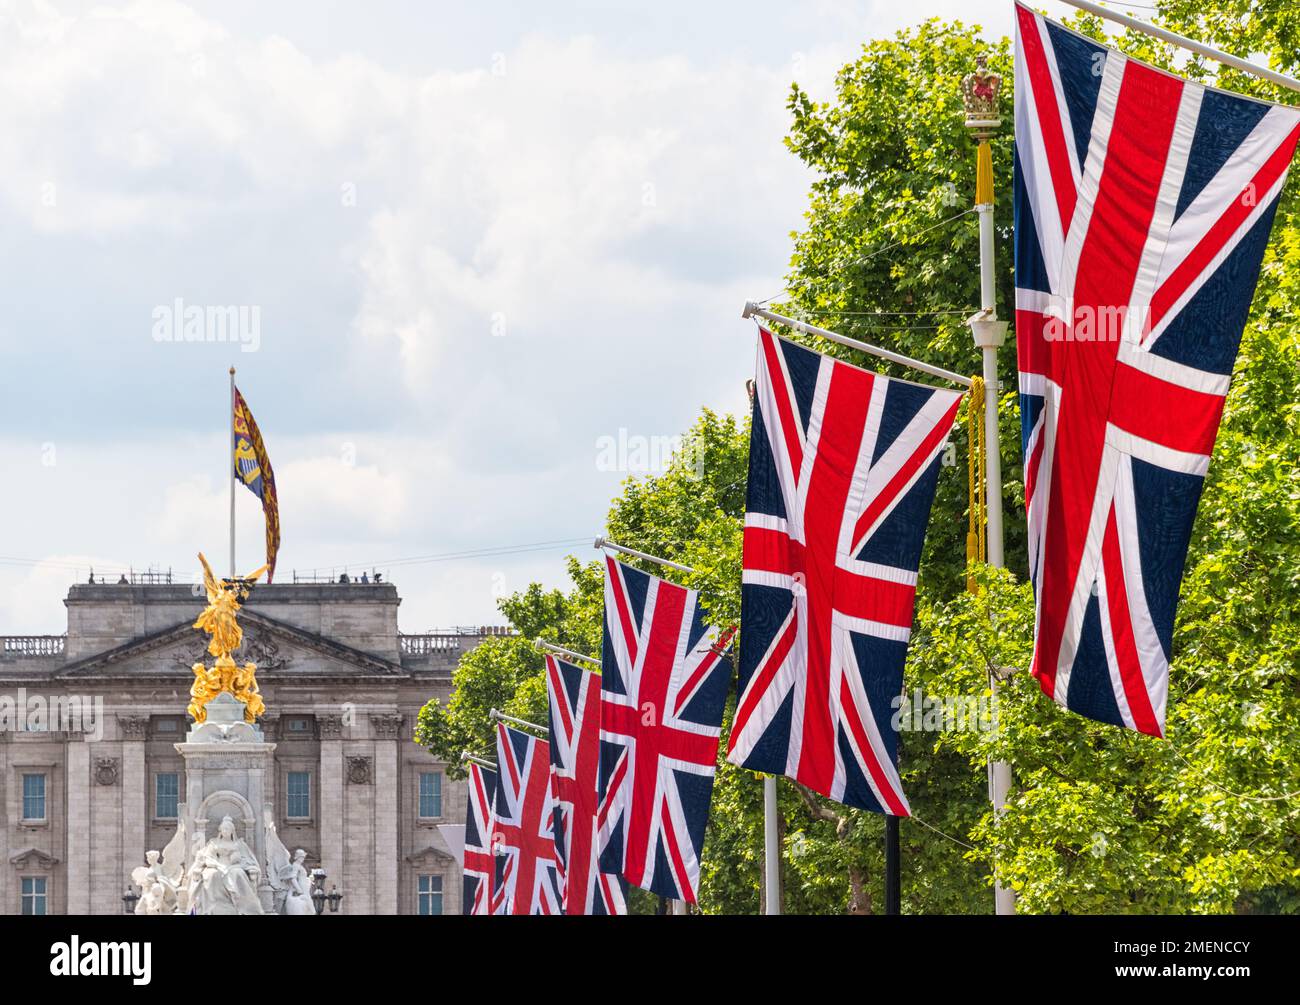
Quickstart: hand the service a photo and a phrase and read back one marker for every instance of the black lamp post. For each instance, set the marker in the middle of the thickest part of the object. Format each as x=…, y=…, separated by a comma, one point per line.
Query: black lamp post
x=129, y=900
x=318, y=894
x=335, y=898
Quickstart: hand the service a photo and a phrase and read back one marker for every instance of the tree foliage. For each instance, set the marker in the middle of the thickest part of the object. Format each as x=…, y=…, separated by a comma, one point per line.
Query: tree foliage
x=1100, y=819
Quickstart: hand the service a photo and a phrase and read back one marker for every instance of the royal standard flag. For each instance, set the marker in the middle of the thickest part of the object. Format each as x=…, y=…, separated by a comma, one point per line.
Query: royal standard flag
x=253, y=469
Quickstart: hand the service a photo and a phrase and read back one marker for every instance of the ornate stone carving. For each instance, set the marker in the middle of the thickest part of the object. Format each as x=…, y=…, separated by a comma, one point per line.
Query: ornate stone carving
x=387, y=726
x=106, y=769
x=359, y=770
x=133, y=727
x=329, y=727
x=192, y=652
x=264, y=651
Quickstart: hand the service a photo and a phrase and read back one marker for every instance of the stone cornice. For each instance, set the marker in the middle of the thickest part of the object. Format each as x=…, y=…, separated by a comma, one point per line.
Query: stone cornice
x=361, y=664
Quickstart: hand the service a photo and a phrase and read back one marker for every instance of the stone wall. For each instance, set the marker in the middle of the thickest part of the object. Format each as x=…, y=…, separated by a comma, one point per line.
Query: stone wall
x=350, y=730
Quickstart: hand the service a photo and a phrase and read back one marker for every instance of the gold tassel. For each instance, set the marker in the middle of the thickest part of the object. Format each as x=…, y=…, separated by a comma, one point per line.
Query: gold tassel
x=976, y=543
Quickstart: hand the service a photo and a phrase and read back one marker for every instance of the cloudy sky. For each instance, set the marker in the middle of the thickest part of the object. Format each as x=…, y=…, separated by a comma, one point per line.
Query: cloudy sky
x=473, y=244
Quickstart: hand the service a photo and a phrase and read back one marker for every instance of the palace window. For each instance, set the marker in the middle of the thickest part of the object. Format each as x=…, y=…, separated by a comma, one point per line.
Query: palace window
x=430, y=895
x=33, y=797
x=167, y=794
x=430, y=794
x=298, y=790
x=33, y=894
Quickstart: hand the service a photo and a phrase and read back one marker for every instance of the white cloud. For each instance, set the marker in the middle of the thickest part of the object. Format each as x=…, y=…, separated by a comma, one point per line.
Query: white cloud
x=471, y=266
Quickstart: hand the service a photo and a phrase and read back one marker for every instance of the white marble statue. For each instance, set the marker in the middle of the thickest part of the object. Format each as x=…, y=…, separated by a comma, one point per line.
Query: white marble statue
x=299, y=899
x=156, y=875
x=166, y=870
x=223, y=876
x=290, y=879
x=155, y=901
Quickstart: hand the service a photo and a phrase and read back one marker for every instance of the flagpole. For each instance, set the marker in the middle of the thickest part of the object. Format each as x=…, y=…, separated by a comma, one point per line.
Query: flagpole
x=602, y=543
x=980, y=95
x=230, y=470
x=499, y=716
x=542, y=644
x=1200, y=48
x=754, y=311
x=771, y=849
x=893, y=868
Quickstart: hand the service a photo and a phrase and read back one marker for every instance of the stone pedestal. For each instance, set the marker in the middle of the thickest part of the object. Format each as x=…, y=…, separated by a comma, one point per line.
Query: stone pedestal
x=227, y=767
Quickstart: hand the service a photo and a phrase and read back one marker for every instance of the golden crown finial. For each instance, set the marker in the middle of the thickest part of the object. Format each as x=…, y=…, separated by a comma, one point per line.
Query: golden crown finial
x=979, y=93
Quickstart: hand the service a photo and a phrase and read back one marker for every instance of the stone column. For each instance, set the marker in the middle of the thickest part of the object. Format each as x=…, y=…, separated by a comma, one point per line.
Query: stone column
x=136, y=810
x=79, y=831
x=387, y=729
x=8, y=900
x=108, y=854
x=330, y=802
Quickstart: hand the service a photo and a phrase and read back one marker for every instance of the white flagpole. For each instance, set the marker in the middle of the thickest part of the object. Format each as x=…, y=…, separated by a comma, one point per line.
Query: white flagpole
x=602, y=543
x=230, y=470
x=989, y=334
x=1236, y=62
x=771, y=849
x=753, y=310
x=542, y=644
x=498, y=716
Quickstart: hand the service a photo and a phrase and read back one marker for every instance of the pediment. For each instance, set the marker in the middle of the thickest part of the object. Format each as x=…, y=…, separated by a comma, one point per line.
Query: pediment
x=30, y=858
x=279, y=650
x=429, y=856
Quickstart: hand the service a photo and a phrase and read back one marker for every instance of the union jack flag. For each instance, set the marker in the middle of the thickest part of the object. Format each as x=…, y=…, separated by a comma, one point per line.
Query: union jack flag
x=480, y=863
x=843, y=465
x=575, y=780
x=523, y=831
x=1143, y=205
x=664, y=685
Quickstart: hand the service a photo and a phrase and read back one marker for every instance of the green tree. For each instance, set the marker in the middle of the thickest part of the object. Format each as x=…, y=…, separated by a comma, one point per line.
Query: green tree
x=1101, y=819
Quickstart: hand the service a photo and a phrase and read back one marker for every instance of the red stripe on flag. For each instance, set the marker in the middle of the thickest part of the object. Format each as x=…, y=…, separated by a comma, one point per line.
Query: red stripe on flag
x=1049, y=115
x=1168, y=414
x=859, y=732
x=759, y=684
x=1121, y=630
x=1218, y=236
x=669, y=832
x=624, y=610
x=561, y=696
x=784, y=396
x=885, y=498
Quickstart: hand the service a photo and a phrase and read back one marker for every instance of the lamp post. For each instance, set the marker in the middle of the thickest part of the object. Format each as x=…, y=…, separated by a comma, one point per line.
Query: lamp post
x=980, y=101
x=129, y=900
x=318, y=895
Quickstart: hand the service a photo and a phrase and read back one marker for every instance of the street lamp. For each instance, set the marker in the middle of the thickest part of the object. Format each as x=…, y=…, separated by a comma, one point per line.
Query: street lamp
x=318, y=895
x=318, y=889
x=129, y=900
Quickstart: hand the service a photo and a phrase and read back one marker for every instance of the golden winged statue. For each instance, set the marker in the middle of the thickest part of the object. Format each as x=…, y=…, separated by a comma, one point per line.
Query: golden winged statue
x=219, y=620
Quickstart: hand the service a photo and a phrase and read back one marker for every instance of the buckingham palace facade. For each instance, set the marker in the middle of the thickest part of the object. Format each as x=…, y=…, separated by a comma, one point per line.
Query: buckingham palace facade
x=90, y=777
